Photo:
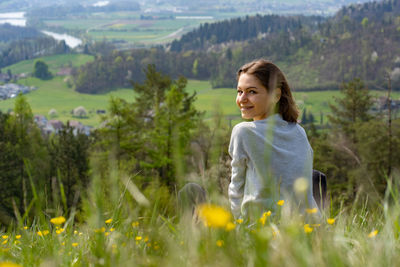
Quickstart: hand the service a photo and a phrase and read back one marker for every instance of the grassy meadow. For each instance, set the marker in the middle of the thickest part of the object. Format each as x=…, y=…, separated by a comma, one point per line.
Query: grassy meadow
x=55, y=63
x=130, y=228
x=56, y=94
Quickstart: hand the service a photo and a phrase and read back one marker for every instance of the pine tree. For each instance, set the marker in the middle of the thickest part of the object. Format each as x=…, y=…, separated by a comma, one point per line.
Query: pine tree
x=353, y=107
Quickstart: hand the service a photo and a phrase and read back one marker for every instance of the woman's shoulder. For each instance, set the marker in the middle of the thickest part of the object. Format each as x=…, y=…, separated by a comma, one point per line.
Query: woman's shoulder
x=300, y=129
x=243, y=128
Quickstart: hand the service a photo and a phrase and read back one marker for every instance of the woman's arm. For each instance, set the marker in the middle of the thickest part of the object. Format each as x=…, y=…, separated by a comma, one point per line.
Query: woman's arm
x=239, y=163
x=236, y=187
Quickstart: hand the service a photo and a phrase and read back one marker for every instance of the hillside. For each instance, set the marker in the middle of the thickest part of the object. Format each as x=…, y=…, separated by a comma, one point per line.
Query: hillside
x=315, y=53
x=56, y=63
x=359, y=41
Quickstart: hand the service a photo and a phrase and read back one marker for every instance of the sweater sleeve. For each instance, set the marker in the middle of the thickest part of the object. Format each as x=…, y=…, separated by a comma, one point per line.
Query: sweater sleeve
x=239, y=162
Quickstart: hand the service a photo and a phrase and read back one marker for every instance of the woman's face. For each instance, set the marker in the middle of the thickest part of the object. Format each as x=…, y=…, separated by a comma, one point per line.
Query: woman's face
x=252, y=98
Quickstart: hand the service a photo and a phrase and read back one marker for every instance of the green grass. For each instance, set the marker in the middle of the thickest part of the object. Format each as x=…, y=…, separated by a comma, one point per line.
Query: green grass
x=55, y=63
x=56, y=94
x=115, y=230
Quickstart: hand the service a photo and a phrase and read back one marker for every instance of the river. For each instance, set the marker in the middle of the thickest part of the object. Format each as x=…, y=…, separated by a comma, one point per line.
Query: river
x=18, y=19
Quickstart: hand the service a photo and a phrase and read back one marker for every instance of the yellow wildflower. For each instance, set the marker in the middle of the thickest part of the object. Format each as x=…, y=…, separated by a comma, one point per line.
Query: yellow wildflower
x=112, y=229
x=17, y=242
x=58, y=220
x=74, y=244
x=146, y=238
x=109, y=221
x=138, y=238
x=4, y=236
x=25, y=227
x=214, y=216
x=100, y=230
x=330, y=221
x=239, y=221
x=307, y=229
x=5, y=242
x=312, y=211
x=220, y=243
x=43, y=233
x=230, y=226
x=373, y=234
x=18, y=236
x=59, y=231
x=9, y=264
x=75, y=232
x=264, y=217
x=280, y=202
x=106, y=233
x=135, y=224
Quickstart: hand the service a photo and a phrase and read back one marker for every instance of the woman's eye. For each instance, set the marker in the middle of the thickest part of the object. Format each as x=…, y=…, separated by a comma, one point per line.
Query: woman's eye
x=252, y=92
x=239, y=92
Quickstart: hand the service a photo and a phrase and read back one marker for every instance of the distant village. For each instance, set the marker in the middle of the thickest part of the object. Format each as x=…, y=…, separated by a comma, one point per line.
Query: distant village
x=11, y=90
x=54, y=126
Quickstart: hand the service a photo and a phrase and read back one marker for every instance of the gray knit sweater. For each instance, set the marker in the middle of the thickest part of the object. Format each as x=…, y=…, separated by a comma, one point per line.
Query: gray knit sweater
x=267, y=157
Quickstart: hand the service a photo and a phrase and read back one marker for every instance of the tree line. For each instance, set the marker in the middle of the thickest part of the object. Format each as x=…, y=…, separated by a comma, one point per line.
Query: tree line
x=10, y=33
x=20, y=43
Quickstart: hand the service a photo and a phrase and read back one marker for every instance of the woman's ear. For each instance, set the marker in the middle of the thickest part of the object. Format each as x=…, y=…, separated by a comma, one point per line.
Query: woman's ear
x=277, y=95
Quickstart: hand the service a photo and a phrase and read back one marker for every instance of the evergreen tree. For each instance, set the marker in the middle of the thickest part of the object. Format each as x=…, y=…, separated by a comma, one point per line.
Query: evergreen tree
x=152, y=134
x=70, y=161
x=304, y=119
x=352, y=108
x=25, y=160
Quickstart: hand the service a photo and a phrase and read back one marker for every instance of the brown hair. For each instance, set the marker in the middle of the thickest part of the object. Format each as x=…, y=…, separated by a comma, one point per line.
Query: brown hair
x=272, y=77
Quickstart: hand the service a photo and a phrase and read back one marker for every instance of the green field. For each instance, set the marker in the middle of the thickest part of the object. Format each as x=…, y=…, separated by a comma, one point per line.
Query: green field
x=55, y=63
x=128, y=27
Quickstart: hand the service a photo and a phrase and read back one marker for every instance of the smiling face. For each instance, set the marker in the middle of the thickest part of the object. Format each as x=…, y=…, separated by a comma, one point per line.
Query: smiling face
x=252, y=98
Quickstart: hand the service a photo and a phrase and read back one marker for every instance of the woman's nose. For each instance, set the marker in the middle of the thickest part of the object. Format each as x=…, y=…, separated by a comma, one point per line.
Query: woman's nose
x=243, y=97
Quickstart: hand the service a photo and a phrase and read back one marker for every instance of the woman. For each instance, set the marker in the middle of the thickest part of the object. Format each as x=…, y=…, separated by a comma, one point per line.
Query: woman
x=270, y=152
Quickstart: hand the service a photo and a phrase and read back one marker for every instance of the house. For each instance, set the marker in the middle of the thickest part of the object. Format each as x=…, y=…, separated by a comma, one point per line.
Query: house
x=64, y=72
x=53, y=126
x=40, y=120
x=4, y=77
x=79, y=127
x=381, y=104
